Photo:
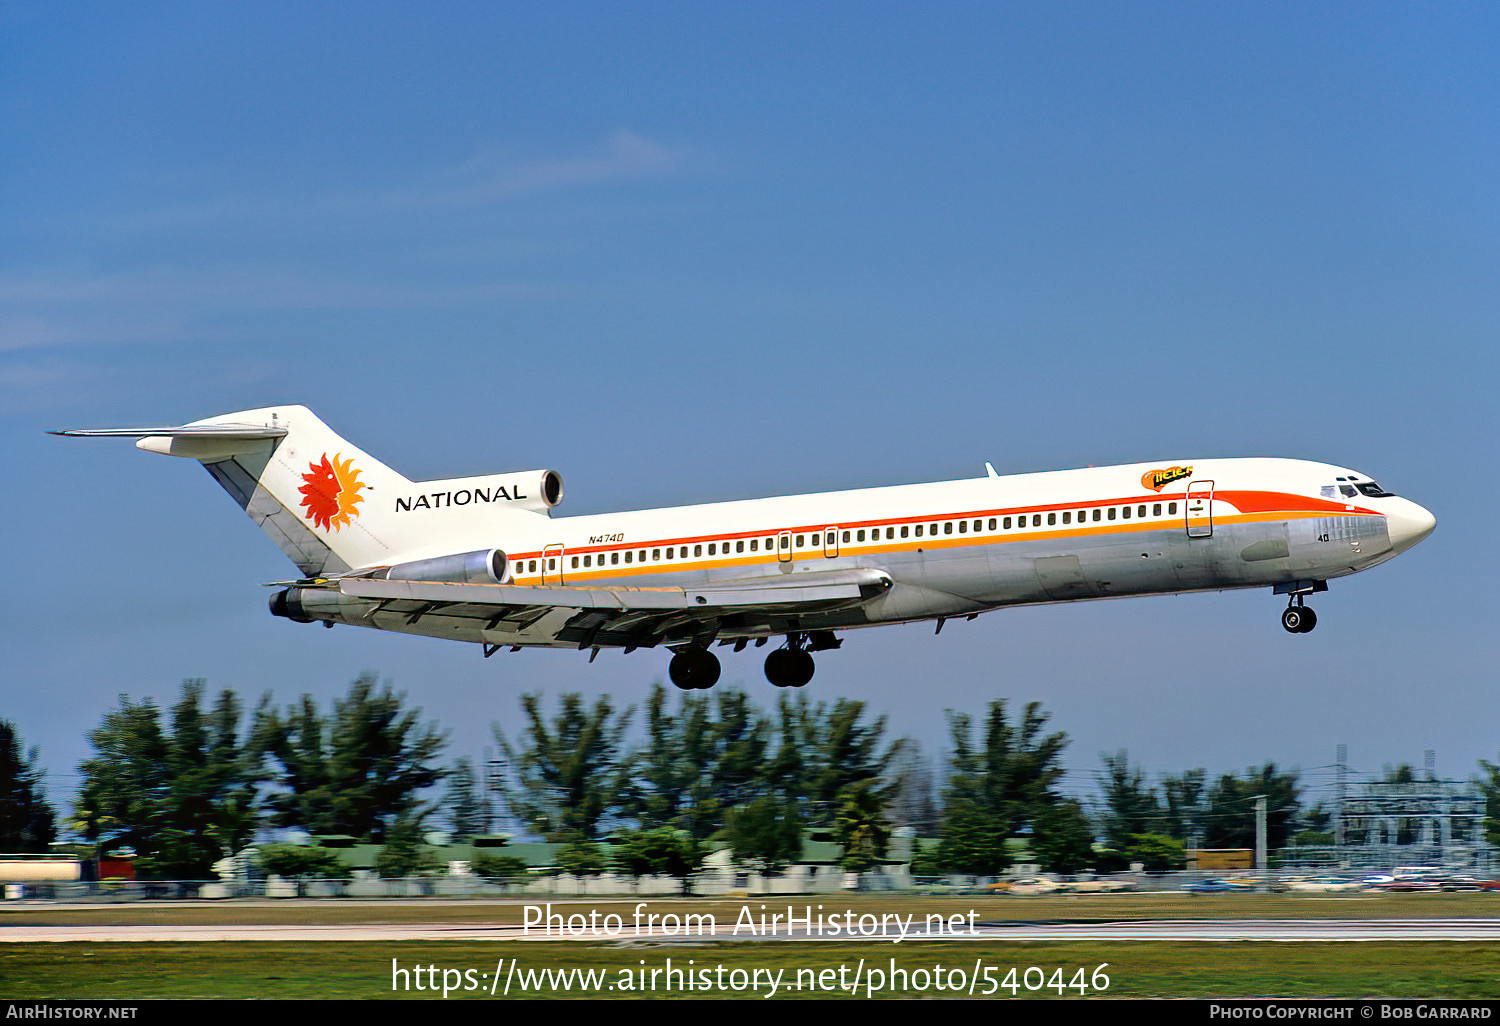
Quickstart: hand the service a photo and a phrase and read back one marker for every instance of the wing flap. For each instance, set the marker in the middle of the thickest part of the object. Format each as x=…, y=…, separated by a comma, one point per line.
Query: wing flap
x=816, y=588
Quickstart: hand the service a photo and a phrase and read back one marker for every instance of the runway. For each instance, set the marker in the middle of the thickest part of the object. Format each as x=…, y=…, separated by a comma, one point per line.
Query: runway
x=1388, y=930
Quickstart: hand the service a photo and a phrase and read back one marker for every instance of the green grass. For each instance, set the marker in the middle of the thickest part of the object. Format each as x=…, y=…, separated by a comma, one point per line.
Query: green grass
x=363, y=969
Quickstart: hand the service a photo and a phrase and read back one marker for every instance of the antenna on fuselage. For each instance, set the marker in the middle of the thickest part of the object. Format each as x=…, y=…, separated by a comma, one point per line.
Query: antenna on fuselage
x=989, y=469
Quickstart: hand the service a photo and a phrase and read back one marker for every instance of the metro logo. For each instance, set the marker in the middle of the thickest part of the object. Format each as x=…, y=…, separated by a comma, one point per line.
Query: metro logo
x=330, y=492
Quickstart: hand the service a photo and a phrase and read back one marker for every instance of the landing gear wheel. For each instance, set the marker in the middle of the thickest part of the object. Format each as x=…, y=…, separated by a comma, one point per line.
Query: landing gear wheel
x=789, y=668
x=694, y=669
x=1299, y=619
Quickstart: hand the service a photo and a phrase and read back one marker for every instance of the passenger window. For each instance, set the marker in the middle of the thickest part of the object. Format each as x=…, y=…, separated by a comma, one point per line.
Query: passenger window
x=846, y=537
x=919, y=530
x=682, y=552
x=754, y=547
x=1112, y=512
x=859, y=536
x=712, y=548
x=977, y=524
x=1126, y=512
x=628, y=555
x=697, y=550
x=799, y=541
x=551, y=563
x=1036, y=520
x=671, y=553
x=1156, y=509
x=1097, y=515
x=948, y=527
x=992, y=523
x=1051, y=519
x=1005, y=523
x=963, y=527
x=903, y=530
x=739, y=546
x=614, y=558
x=1172, y=510
x=932, y=529
x=890, y=533
x=641, y=557
x=656, y=555
x=1068, y=517
x=575, y=562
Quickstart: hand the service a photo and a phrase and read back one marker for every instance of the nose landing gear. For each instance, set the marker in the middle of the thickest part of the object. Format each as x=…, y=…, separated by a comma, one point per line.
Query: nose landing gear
x=1298, y=618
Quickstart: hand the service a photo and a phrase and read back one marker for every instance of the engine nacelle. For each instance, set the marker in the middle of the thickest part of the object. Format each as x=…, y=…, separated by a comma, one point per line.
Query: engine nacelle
x=534, y=490
x=483, y=566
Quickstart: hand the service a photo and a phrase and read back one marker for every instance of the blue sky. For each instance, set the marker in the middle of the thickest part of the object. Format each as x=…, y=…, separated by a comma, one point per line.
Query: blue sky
x=686, y=252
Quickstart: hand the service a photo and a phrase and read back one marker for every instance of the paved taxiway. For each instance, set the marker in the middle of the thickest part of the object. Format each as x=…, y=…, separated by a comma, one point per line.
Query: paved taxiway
x=1159, y=930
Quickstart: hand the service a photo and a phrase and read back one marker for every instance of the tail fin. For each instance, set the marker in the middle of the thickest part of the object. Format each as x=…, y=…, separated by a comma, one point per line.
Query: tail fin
x=303, y=484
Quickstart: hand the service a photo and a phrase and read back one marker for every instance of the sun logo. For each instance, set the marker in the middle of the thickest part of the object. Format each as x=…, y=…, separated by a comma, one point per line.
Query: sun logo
x=330, y=491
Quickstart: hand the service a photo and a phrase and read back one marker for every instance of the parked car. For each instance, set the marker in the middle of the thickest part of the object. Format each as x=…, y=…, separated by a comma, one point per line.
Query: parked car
x=1325, y=885
x=1213, y=885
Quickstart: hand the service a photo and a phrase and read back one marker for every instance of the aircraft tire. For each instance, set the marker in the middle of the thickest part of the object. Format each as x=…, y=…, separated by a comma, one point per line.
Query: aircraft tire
x=789, y=668
x=1298, y=619
x=694, y=669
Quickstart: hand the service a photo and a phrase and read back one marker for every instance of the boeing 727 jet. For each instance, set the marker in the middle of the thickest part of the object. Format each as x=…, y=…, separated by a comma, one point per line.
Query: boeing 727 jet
x=483, y=560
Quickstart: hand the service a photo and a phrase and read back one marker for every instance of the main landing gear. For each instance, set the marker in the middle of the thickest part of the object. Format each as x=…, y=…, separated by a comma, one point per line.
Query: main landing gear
x=792, y=666
x=695, y=668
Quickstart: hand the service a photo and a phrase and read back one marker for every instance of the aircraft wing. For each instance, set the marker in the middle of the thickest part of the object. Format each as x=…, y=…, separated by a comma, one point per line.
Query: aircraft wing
x=631, y=617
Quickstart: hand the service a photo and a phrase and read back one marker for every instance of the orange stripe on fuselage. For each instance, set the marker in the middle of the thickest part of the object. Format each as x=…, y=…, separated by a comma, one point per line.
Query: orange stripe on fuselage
x=1252, y=506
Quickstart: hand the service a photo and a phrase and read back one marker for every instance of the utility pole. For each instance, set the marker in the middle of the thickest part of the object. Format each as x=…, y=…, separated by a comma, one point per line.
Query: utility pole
x=1262, y=862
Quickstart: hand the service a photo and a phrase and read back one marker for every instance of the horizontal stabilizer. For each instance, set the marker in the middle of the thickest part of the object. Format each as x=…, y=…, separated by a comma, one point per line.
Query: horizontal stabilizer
x=238, y=431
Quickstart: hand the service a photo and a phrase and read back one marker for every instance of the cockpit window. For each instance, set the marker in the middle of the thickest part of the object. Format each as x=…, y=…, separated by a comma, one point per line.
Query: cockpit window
x=1373, y=490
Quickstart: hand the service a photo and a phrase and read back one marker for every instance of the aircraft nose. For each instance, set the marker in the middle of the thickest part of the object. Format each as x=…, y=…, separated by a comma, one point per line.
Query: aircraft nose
x=1407, y=523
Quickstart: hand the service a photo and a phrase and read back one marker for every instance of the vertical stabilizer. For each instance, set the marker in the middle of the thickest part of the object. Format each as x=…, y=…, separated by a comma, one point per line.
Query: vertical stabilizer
x=310, y=490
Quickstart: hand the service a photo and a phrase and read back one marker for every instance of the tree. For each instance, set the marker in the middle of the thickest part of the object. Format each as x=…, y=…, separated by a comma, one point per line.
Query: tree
x=1489, y=786
x=708, y=757
x=356, y=772
x=1156, y=852
x=996, y=790
x=27, y=821
x=569, y=773
x=1130, y=805
x=405, y=853
x=182, y=798
x=465, y=811
x=1230, y=817
x=1062, y=839
x=658, y=852
x=296, y=861
x=862, y=828
x=498, y=867
x=581, y=857
x=1183, y=795
x=912, y=802
x=826, y=749
x=766, y=833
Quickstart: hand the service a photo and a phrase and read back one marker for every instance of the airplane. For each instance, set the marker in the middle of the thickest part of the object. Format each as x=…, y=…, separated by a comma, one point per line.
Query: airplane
x=482, y=559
